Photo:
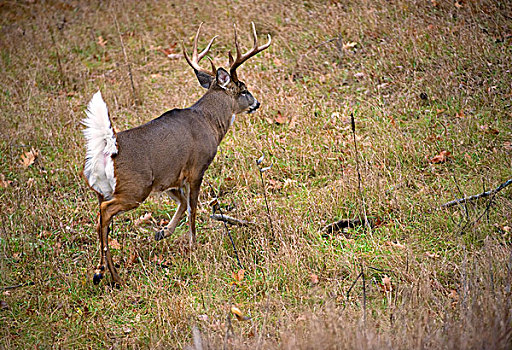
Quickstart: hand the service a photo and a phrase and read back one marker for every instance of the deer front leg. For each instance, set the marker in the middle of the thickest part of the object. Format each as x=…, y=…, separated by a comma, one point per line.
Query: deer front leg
x=178, y=196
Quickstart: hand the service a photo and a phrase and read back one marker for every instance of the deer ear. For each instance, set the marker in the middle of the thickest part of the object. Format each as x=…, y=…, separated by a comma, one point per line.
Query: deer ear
x=204, y=78
x=223, y=77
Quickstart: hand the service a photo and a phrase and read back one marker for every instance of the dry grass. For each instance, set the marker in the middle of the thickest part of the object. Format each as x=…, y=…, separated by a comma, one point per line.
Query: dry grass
x=423, y=77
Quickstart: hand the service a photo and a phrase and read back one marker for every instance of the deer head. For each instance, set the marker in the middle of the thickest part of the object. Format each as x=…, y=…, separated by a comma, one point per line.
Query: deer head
x=220, y=79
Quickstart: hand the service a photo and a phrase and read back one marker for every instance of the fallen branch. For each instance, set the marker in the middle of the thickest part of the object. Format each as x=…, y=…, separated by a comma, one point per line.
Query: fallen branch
x=31, y=283
x=344, y=223
x=477, y=196
x=231, y=220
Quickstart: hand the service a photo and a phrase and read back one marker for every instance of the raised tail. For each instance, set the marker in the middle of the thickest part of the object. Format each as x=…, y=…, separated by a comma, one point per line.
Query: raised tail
x=101, y=145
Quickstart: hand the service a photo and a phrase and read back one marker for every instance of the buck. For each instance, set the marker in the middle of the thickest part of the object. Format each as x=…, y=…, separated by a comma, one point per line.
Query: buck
x=170, y=153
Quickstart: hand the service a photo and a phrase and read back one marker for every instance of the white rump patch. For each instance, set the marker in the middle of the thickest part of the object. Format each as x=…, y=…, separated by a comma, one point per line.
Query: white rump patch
x=101, y=145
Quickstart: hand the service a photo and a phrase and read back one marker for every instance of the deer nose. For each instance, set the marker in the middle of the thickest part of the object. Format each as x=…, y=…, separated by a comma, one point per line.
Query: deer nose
x=254, y=107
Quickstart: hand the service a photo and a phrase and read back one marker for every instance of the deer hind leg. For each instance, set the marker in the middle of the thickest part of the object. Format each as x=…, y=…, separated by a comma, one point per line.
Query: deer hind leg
x=107, y=211
x=179, y=197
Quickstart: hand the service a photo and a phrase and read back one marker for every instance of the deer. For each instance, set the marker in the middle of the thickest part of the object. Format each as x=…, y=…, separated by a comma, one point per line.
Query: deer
x=168, y=154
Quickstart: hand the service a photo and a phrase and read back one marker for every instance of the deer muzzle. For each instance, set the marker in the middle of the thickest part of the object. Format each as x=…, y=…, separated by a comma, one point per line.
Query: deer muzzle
x=254, y=107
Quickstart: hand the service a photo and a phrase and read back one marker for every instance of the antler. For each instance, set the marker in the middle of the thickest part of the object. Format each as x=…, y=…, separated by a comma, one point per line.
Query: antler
x=234, y=64
x=194, y=62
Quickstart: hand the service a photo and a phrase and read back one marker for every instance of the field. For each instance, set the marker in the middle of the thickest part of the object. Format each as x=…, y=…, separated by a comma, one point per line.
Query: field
x=429, y=87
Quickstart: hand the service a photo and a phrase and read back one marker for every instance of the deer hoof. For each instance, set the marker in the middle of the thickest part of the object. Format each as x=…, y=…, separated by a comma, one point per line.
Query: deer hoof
x=98, y=276
x=159, y=235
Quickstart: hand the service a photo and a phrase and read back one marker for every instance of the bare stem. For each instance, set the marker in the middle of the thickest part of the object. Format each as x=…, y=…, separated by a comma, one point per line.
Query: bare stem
x=477, y=196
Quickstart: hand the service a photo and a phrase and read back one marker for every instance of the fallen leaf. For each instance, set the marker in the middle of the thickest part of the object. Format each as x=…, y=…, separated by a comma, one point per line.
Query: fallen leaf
x=488, y=130
x=29, y=158
x=127, y=330
x=454, y=296
x=458, y=4
x=202, y=318
x=349, y=45
x=442, y=157
x=174, y=56
x=143, y=219
x=133, y=258
x=460, y=114
x=397, y=244
x=280, y=119
x=434, y=3
x=507, y=145
x=102, y=42
x=115, y=244
x=313, y=278
x=3, y=305
x=30, y=182
x=3, y=182
x=238, y=276
x=238, y=313
x=432, y=255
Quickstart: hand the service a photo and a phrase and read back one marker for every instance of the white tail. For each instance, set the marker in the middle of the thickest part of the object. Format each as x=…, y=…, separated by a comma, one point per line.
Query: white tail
x=101, y=145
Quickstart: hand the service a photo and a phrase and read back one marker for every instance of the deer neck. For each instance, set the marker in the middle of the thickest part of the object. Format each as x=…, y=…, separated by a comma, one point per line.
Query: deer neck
x=217, y=107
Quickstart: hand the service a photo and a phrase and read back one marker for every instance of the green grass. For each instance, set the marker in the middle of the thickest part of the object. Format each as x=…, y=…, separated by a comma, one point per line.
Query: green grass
x=420, y=79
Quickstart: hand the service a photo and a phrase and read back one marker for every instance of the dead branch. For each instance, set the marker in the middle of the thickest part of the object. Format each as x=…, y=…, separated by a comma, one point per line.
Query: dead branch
x=477, y=196
x=342, y=224
x=231, y=220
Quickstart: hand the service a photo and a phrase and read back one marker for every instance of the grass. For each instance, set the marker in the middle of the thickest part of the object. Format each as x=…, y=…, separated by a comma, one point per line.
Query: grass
x=420, y=77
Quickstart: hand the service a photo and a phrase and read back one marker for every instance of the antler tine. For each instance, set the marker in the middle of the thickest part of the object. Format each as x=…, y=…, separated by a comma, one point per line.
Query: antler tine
x=194, y=62
x=241, y=58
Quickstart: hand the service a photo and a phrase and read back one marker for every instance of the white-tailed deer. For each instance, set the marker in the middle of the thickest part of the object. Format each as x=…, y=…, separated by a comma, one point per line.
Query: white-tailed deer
x=170, y=153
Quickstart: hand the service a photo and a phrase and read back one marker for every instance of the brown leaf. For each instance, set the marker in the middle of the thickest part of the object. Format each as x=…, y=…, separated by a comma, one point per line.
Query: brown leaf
x=238, y=313
x=442, y=157
x=3, y=182
x=507, y=145
x=349, y=45
x=3, y=305
x=133, y=258
x=238, y=276
x=29, y=158
x=396, y=244
x=488, y=130
x=432, y=255
x=102, y=42
x=115, y=244
x=460, y=114
x=313, y=278
x=280, y=119
x=143, y=219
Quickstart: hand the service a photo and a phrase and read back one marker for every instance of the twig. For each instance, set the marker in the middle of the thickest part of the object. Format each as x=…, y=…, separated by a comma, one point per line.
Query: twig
x=31, y=283
x=359, y=181
x=364, y=295
x=477, y=196
x=135, y=99
x=231, y=220
x=227, y=229
x=353, y=284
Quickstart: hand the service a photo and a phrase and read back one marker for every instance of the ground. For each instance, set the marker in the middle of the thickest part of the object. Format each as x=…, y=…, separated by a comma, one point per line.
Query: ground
x=429, y=86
